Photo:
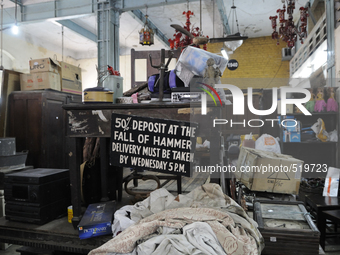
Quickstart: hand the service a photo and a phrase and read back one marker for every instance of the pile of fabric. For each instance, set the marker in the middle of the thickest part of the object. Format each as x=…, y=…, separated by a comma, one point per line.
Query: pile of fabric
x=205, y=221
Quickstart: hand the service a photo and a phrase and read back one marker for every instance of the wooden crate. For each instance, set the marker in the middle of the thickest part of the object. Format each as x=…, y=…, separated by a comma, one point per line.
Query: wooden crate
x=286, y=228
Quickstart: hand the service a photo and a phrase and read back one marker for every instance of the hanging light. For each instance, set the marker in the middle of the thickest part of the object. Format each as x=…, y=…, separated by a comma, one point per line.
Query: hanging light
x=146, y=34
x=233, y=45
x=15, y=28
x=287, y=30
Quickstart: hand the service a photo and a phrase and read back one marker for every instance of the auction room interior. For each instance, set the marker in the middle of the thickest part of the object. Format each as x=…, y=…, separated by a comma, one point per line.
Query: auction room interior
x=169, y=127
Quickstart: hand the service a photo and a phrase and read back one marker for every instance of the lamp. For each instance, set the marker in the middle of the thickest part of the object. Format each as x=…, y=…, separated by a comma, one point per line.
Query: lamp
x=224, y=53
x=146, y=34
x=287, y=31
x=233, y=45
x=15, y=28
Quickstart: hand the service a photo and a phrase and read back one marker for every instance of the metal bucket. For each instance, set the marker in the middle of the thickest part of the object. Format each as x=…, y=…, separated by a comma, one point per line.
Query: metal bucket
x=13, y=161
x=7, y=146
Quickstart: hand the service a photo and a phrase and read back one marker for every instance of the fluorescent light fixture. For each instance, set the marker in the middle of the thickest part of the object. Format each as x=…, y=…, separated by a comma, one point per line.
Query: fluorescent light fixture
x=15, y=29
x=224, y=53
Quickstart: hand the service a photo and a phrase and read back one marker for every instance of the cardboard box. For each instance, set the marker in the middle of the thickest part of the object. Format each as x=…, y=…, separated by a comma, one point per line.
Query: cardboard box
x=70, y=72
x=44, y=65
x=291, y=131
x=269, y=171
x=71, y=81
x=45, y=80
x=74, y=87
x=97, y=220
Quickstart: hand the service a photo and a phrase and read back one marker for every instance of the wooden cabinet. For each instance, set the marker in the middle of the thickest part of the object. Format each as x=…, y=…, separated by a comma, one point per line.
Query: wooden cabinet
x=38, y=122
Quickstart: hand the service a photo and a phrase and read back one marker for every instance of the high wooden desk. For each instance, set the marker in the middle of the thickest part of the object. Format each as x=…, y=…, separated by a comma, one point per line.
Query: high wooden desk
x=94, y=120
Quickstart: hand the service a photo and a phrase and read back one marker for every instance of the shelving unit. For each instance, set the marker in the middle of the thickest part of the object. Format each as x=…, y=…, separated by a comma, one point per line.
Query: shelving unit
x=313, y=152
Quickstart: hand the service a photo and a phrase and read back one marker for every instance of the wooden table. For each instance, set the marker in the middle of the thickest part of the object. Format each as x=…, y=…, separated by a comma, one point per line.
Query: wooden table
x=319, y=203
x=94, y=120
x=332, y=215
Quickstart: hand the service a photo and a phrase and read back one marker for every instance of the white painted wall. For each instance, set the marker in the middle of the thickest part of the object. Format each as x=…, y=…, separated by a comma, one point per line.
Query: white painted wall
x=17, y=52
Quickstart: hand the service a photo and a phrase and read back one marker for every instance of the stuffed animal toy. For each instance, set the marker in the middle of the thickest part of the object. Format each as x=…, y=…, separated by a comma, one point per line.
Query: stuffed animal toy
x=320, y=104
x=332, y=105
x=311, y=103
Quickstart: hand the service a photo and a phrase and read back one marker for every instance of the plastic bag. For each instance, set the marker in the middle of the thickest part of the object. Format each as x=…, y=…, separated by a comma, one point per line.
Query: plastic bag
x=333, y=136
x=320, y=130
x=193, y=61
x=267, y=143
x=331, y=182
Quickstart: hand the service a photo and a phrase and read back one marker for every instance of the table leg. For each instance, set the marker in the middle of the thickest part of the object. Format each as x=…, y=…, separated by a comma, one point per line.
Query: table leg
x=120, y=183
x=104, y=163
x=322, y=228
x=75, y=154
x=179, y=184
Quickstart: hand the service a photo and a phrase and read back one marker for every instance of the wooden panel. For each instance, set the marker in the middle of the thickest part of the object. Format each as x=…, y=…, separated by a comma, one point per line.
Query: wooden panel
x=54, y=133
x=33, y=128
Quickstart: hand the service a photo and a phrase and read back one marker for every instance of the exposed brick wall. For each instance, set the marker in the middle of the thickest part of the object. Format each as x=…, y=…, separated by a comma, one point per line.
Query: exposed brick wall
x=260, y=64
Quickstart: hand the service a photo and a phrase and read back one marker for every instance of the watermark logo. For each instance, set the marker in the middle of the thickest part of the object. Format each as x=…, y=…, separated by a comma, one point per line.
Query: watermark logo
x=204, y=98
x=238, y=100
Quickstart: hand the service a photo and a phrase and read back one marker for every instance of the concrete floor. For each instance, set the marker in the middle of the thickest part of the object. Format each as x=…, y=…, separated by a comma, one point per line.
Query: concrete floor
x=12, y=250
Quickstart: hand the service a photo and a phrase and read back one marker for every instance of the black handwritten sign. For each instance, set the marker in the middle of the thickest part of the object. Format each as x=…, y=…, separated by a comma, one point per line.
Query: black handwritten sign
x=159, y=145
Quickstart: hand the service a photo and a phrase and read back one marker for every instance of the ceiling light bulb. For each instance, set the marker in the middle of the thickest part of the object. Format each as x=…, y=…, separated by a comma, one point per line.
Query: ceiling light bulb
x=15, y=29
x=224, y=53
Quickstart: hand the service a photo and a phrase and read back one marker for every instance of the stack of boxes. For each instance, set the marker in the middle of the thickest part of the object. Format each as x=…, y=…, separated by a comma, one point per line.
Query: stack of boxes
x=47, y=73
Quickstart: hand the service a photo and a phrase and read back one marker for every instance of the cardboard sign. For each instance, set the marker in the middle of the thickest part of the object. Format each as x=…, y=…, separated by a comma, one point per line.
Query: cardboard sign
x=159, y=145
